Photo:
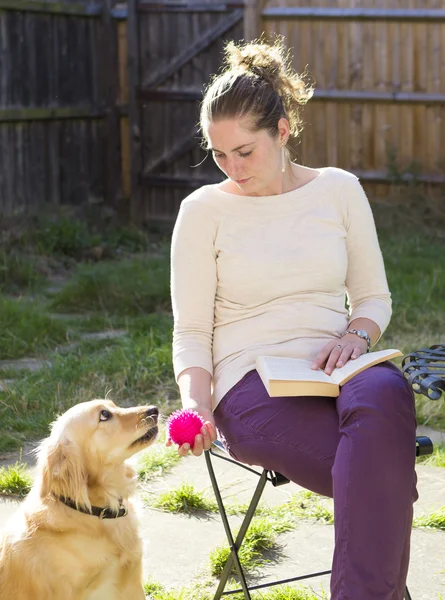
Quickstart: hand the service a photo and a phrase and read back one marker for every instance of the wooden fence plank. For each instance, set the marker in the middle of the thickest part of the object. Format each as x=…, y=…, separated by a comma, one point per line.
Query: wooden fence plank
x=320, y=94
x=188, y=142
x=11, y=115
x=90, y=9
x=189, y=8
x=252, y=19
x=134, y=128
x=201, y=43
x=175, y=180
x=346, y=14
x=109, y=69
x=385, y=177
x=168, y=94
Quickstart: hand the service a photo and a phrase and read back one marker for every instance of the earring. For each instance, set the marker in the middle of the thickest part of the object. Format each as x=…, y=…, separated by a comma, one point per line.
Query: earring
x=283, y=159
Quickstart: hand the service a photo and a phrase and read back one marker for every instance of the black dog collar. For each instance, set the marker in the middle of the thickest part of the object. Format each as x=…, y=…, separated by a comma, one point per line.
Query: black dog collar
x=96, y=511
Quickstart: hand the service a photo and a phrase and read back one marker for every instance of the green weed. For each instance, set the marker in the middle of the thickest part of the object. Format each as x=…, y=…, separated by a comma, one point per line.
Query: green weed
x=261, y=536
x=307, y=505
x=437, y=459
x=158, y=460
x=184, y=499
x=434, y=520
x=156, y=591
x=198, y=591
x=15, y=480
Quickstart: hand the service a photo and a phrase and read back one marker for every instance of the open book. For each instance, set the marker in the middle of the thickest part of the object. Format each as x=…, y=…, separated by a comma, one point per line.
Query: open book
x=294, y=376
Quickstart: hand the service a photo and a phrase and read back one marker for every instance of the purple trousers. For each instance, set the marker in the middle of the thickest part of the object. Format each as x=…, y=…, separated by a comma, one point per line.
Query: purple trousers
x=359, y=449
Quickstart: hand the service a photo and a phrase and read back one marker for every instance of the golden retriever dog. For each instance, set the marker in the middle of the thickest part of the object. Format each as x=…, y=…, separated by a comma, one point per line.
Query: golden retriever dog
x=75, y=536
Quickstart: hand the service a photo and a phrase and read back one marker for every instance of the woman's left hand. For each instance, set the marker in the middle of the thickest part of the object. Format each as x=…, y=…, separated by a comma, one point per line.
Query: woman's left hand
x=337, y=352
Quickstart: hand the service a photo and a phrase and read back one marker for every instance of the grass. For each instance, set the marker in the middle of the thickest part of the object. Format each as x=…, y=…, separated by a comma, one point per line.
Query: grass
x=135, y=369
x=307, y=505
x=287, y=593
x=19, y=272
x=260, y=537
x=184, y=499
x=158, y=460
x=416, y=276
x=132, y=293
x=15, y=480
x=155, y=591
x=68, y=236
x=436, y=459
x=130, y=287
x=415, y=267
x=434, y=520
x=27, y=330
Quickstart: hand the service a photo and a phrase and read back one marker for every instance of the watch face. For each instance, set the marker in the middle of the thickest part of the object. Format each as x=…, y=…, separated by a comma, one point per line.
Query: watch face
x=362, y=333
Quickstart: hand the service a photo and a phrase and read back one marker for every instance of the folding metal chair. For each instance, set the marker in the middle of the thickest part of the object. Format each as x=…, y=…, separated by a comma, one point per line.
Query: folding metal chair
x=424, y=446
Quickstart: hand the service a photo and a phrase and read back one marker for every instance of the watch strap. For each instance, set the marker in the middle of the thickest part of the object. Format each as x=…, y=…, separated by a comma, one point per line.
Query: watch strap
x=362, y=334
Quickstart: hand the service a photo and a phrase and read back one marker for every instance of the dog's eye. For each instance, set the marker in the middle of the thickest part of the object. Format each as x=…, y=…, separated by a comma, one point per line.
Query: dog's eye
x=105, y=415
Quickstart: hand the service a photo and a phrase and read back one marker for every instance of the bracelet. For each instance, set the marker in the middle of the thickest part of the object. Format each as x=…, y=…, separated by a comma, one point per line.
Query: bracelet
x=361, y=334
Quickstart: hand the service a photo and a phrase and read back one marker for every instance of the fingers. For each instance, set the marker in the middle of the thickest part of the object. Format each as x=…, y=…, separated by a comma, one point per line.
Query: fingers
x=212, y=431
x=203, y=441
x=335, y=356
x=338, y=357
x=320, y=359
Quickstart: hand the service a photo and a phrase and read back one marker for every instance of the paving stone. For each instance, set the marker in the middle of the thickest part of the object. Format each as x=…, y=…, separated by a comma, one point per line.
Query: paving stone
x=31, y=364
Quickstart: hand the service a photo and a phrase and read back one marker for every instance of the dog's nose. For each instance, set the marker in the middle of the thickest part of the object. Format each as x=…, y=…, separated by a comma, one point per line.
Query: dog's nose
x=152, y=412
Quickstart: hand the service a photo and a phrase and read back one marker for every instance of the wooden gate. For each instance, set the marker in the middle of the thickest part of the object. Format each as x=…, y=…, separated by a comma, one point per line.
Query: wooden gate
x=173, y=49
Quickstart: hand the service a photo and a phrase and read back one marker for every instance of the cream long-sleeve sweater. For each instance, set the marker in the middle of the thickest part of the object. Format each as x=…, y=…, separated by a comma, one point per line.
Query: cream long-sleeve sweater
x=268, y=275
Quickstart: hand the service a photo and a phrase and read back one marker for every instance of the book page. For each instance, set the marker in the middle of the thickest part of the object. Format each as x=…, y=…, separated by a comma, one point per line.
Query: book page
x=289, y=369
x=343, y=374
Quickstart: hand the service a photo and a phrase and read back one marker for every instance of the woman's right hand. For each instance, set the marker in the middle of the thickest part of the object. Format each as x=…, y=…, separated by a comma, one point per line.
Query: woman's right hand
x=203, y=440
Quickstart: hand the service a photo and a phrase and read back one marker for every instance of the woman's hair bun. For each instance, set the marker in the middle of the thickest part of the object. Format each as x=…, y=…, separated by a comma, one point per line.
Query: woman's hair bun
x=271, y=62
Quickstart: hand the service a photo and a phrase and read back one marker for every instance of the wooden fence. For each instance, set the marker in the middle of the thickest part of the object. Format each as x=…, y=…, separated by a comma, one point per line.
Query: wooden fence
x=379, y=67
x=378, y=108
x=59, y=129
x=101, y=102
x=174, y=49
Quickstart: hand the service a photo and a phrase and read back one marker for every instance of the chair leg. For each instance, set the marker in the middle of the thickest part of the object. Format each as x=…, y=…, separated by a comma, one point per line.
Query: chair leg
x=234, y=545
x=407, y=595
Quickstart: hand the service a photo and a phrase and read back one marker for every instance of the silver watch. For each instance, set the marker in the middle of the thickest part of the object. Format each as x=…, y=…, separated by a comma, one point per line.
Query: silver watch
x=362, y=334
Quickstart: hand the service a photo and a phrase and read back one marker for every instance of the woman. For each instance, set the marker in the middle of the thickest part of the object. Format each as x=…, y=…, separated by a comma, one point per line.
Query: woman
x=261, y=264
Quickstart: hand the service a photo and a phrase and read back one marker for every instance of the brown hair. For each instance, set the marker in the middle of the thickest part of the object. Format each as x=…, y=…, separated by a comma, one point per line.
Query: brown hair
x=257, y=81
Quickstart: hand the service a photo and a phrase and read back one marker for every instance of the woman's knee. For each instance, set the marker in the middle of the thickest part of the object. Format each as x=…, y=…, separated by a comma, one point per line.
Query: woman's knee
x=380, y=391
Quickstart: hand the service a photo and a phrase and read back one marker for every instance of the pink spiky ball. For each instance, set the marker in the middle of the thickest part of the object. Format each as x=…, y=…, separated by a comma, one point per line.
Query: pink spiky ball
x=183, y=426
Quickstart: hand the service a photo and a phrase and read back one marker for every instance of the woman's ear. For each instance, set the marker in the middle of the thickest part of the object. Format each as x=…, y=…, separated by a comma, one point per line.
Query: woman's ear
x=62, y=472
x=283, y=130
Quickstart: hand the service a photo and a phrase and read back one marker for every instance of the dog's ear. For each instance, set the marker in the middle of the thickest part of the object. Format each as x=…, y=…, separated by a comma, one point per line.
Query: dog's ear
x=62, y=472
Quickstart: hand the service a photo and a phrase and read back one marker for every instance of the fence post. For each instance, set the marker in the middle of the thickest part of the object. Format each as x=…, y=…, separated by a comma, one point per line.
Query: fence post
x=252, y=19
x=109, y=91
x=133, y=110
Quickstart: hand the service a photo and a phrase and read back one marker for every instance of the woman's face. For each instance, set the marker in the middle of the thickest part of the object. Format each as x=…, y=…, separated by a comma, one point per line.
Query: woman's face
x=251, y=159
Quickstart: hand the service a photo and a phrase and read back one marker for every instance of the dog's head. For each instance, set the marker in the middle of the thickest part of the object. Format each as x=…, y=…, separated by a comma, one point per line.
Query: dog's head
x=90, y=439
